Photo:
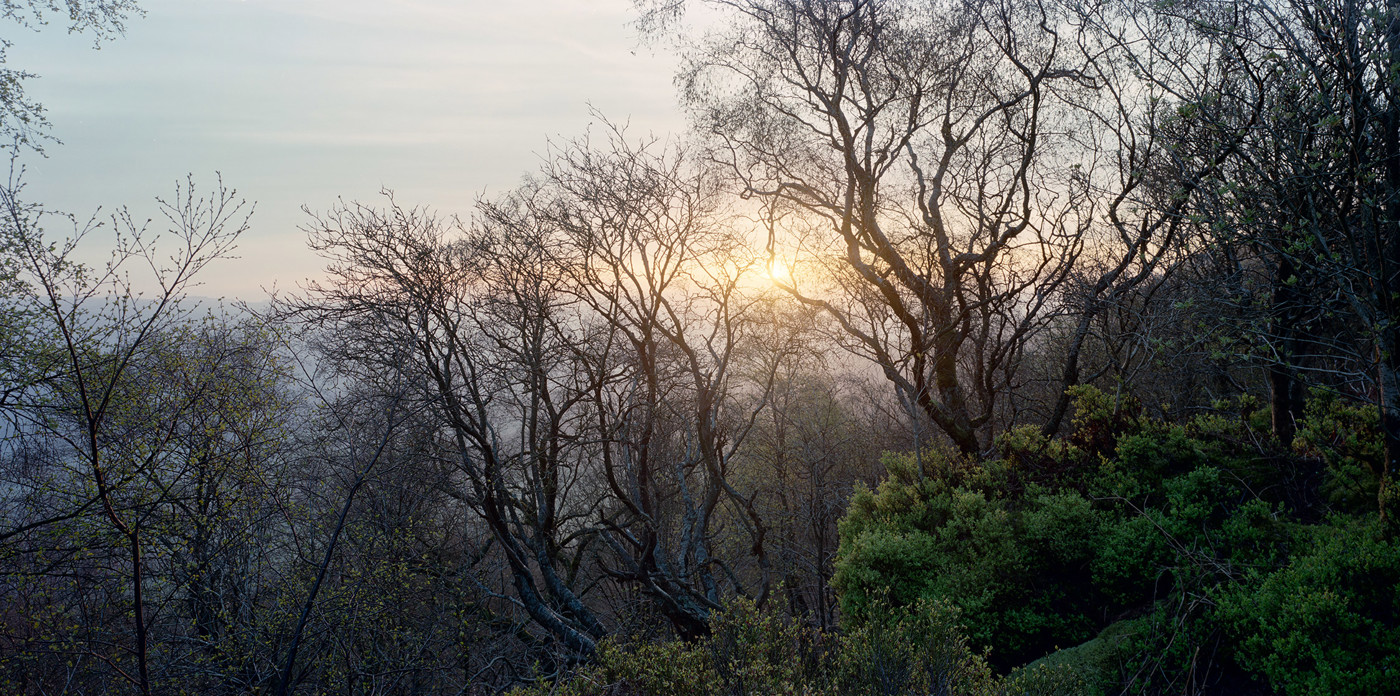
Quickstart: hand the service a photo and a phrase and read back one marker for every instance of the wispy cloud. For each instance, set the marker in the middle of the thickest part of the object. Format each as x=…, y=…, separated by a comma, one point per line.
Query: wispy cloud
x=298, y=101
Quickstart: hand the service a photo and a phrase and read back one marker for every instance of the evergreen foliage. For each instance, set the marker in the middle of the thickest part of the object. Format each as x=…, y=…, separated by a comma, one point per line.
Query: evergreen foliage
x=1131, y=556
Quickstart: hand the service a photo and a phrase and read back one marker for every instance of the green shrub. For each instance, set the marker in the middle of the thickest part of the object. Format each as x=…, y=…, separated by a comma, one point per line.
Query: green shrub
x=1132, y=551
x=1031, y=456
x=1155, y=453
x=760, y=651
x=1016, y=566
x=1167, y=516
x=1099, y=419
x=918, y=649
x=1347, y=438
x=891, y=651
x=1131, y=556
x=1328, y=622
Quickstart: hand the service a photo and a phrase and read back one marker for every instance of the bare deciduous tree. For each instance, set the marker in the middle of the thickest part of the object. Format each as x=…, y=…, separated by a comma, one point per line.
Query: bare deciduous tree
x=659, y=265
x=912, y=144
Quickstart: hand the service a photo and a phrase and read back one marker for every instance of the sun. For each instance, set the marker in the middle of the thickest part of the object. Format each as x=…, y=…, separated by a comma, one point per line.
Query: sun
x=779, y=273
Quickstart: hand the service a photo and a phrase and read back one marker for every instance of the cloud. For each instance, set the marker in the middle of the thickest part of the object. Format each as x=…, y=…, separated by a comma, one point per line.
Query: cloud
x=300, y=101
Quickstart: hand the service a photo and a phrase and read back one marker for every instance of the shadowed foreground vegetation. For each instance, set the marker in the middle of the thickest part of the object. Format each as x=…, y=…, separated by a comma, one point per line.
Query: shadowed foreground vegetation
x=1132, y=556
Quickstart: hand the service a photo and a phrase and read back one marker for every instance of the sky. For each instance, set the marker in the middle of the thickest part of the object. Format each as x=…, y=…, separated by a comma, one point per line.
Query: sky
x=301, y=102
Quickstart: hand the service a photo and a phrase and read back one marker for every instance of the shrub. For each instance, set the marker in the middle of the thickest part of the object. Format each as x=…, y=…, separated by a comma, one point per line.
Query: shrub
x=1132, y=556
x=1016, y=566
x=1031, y=456
x=1328, y=622
x=1347, y=438
x=1099, y=419
x=891, y=651
x=919, y=649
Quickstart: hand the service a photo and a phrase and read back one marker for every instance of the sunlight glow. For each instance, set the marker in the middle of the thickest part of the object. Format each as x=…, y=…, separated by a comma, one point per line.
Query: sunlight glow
x=779, y=272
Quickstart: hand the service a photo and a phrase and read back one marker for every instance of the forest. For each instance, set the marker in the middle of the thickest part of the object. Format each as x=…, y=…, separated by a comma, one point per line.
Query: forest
x=959, y=347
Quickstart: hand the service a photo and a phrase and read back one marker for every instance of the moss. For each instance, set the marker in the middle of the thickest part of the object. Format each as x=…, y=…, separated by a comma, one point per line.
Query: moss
x=1097, y=662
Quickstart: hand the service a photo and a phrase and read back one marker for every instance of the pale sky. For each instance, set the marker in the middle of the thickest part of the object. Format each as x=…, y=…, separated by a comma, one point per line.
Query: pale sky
x=298, y=102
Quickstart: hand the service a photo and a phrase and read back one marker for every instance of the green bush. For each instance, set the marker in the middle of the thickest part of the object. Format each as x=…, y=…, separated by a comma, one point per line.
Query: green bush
x=1347, y=438
x=891, y=651
x=1031, y=456
x=1099, y=419
x=1131, y=556
x=760, y=651
x=918, y=649
x=1016, y=566
x=1165, y=518
x=1329, y=621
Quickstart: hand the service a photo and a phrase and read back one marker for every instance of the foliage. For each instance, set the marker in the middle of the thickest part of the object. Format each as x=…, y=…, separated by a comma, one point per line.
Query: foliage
x=1133, y=555
x=563, y=443
x=1015, y=566
x=1327, y=622
x=1136, y=562
x=22, y=120
x=920, y=649
x=1346, y=437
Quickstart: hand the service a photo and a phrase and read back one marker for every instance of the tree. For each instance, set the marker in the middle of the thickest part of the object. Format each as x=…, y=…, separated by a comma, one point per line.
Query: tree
x=657, y=264
x=92, y=331
x=808, y=450
x=1316, y=196
x=958, y=182
x=582, y=347
x=379, y=416
x=909, y=143
x=487, y=366
x=22, y=121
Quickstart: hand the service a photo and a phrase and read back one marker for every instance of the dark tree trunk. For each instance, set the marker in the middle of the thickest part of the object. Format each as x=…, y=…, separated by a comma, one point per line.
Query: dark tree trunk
x=1389, y=379
x=1285, y=390
x=1387, y=279
x=1285, y=402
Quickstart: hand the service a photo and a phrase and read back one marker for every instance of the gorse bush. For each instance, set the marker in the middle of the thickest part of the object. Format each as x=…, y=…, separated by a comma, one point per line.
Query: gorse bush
x=750, y=651
x=1347, y=438
x=1132, y=556
x=1147, y=545
x=1327, y=621
x=1014, y=565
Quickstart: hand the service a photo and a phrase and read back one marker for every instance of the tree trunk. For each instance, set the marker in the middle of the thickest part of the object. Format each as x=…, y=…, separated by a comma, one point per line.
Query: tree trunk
x=138, y=579
x=1285, y=403
x=953, y=416
x=1389, y=381
x=1387, y=257
x=1285, y=398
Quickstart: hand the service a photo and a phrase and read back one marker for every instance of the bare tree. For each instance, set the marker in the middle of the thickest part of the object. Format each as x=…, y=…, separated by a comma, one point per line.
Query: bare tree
x=658, y=266
x=910, y=142
x=363, y=460
x=486, y=363
x=809, y=448
x=956, y=182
